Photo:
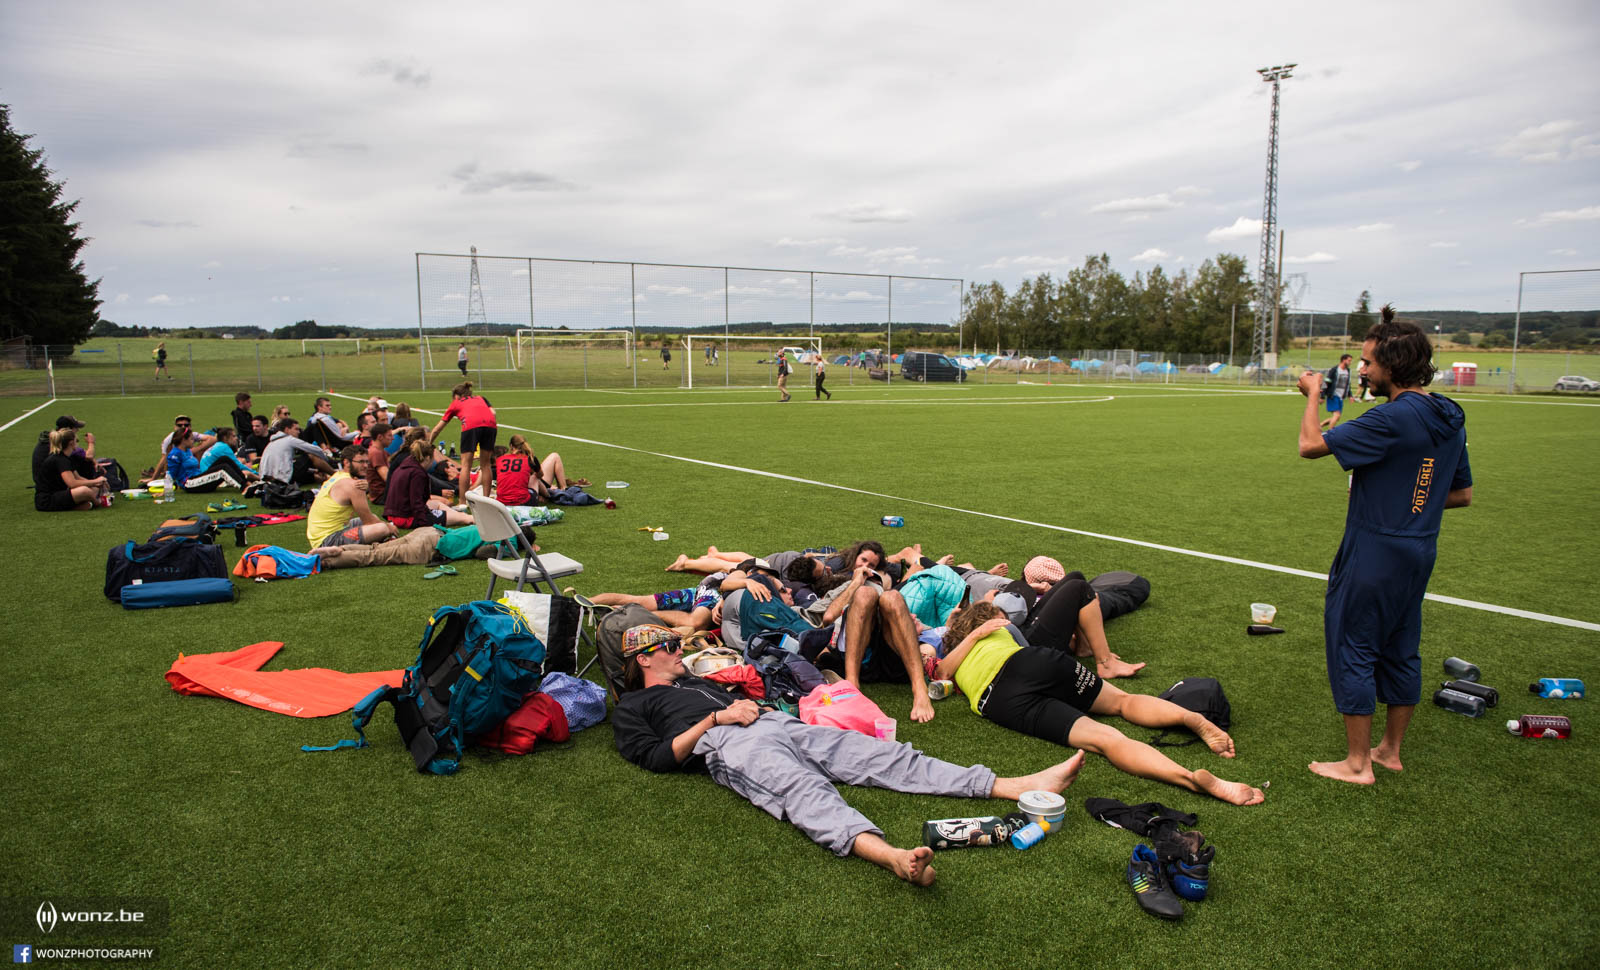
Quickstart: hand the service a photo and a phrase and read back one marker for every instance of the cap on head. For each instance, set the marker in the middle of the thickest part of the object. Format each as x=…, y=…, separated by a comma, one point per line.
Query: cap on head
x=68, y=421
x=1043, y=569
x=645, y=638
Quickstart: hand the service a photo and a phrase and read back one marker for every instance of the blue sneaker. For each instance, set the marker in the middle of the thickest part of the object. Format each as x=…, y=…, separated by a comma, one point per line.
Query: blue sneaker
x=1149, y=883
x=1187, y=861
x=1190, y=882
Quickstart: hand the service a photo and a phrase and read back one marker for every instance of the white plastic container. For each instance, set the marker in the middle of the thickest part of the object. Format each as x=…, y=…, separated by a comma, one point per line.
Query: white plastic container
x=1043, y=806
x=1262, y=612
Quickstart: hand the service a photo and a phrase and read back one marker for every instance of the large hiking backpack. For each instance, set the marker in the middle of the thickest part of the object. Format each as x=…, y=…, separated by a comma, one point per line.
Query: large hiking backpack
x=612, y=626
x=476, y=663
x=1120, y=592
x=787, y=674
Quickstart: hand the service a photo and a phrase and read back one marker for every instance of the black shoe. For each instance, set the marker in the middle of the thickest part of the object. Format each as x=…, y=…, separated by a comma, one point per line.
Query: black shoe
x=1150, y=885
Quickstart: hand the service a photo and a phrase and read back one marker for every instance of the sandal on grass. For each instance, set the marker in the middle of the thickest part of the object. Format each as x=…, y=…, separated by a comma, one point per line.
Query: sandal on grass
x=437, y=571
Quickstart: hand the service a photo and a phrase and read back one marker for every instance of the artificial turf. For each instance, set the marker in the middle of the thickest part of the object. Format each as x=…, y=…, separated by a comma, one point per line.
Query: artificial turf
x=1479, y=854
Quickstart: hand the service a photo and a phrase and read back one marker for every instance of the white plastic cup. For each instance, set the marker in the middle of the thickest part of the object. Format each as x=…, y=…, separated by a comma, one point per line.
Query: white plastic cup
x=660, y=536
x=884, y=728
x=1262, y=612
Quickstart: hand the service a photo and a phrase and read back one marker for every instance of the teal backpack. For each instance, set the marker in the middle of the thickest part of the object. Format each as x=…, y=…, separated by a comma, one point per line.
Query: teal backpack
x=476, y=663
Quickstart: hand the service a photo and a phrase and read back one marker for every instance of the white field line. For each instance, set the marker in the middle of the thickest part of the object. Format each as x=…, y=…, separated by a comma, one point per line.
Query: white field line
x=750, y=404
x=30, y=414
x=1179, y=550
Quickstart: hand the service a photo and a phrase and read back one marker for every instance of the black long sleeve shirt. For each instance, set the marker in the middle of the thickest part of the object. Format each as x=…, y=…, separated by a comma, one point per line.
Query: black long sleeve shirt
x=645, y=721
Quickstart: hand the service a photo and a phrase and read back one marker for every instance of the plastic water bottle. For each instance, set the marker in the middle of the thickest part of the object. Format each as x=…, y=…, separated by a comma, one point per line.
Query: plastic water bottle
x=1490, y=696
x=169, y=491
x=616, y=484
x=1540, y=726
x=1029, y=835
x=1461, y=670
x=1454, y=700
x=1556, y=688
x=893, y=521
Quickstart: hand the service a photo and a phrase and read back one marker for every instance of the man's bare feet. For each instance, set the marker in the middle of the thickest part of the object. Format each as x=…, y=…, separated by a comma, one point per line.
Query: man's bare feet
x=1232, y=792
x=1000, y=569
x=1055, y=778
x=922, y=711
x=677, y=566
x=946, y=559
x=1390, y=760
x=1341, y=771
x=711, y=550
x=1116, y=667
x=914, y=865
x=1215, y=738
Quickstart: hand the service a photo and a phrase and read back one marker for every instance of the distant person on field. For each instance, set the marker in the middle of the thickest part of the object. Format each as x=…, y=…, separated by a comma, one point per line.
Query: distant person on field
x=340, y=516
x=821, y=369
x=461, y=359
x=783, y=377
x=57, y=484
x=478, y=430
x=1336, y=388
x=1408, y=463
x=666, y=355
x=160, y=355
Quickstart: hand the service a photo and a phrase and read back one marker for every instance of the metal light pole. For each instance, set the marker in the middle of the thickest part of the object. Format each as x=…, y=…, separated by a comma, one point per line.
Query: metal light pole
x=1266, y=322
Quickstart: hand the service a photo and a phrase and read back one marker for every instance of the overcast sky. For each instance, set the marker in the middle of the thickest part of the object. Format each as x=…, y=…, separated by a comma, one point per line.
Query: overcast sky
x=261, y=164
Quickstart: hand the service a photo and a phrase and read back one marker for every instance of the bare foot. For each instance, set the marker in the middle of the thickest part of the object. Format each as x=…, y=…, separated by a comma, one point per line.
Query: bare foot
x=1116, y=667
x=1215, y=738
x=1388, y=760
x=946, y=560
x=580, y=482
x=914, y=865
x=1341, y=771
x=1055, y=778
x=1232, y=792
x=922, y=711
x=711, y=551
x=677, y=566
x=1000, y=569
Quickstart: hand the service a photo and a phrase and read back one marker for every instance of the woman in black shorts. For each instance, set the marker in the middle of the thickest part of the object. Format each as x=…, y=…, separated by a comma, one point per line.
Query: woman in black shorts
x=1046, y=692
x=57, y=487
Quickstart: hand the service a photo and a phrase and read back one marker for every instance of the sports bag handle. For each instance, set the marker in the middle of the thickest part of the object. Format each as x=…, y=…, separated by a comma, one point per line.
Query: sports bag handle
x=128, y=549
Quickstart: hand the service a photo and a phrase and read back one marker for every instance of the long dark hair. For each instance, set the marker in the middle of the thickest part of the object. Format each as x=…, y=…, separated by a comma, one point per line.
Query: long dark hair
x=1403, y=350
x=847, y=570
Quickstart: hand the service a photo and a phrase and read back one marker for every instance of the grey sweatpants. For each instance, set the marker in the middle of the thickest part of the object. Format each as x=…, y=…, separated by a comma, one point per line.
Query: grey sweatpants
x=787, y=768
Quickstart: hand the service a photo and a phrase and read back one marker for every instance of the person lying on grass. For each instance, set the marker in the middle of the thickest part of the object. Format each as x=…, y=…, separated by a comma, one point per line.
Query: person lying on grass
x=668, y=720
x=417, y=548
x=685, y=611
x=1042, y=690
x=1067, y=612
x=865, y=553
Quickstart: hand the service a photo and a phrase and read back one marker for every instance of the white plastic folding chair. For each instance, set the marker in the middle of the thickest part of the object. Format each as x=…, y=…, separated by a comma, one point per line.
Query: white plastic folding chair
x=496, y=524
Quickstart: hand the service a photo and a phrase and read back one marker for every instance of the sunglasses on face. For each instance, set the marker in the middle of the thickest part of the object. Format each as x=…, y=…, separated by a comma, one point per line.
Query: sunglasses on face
x=672, y=646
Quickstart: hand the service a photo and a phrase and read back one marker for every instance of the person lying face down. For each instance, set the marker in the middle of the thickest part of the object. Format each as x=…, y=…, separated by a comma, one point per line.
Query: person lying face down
x=669, y=720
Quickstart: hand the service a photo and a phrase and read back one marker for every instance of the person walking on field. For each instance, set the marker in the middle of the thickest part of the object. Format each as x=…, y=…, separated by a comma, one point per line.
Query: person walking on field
x=461, y=359
x=478, y=430
x=1408, y=463
x=160, y=354
x=1337, y=391
x=821, y=368
x=666, y=355
x=783, y=376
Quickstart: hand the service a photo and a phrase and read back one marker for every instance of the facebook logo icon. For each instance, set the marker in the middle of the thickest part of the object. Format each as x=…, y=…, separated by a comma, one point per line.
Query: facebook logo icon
x=21, y=953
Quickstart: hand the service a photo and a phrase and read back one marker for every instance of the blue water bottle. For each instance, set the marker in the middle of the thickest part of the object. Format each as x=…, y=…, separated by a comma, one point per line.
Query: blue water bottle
x=1029, y=835
x=1556, y=688
x=893, y=521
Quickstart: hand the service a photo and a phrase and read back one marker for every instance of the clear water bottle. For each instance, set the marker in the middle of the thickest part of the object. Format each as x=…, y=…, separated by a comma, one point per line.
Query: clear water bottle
x=1029, y=835
x=1454, y=700
x=169, y=491
x=1540, y=726
x=1461, y=670
x=1557, y=688
x=1490, y=696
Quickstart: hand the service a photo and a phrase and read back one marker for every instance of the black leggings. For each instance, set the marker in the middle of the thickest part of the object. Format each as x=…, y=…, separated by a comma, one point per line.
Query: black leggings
x=1041, y=692
x=223, y=471
x=823, y=390
x=1055, y=616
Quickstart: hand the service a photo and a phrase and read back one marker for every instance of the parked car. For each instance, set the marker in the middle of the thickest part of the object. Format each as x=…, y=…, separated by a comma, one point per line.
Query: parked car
x=921, y=365
x=1576, y=383
x=800, y=355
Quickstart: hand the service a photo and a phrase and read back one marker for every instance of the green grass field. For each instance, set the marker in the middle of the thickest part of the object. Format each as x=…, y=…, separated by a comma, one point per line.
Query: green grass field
x=1479, y=854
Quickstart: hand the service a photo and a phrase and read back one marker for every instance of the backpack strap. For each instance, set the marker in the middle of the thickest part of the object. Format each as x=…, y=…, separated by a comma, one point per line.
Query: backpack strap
x=362, y=714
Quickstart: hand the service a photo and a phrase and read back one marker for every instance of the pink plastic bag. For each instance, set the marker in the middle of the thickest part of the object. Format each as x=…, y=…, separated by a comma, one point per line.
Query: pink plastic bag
x=840, y=705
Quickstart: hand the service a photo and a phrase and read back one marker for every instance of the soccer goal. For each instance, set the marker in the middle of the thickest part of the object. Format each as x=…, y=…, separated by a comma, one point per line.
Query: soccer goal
x=531, y=341
x=343, y=344
x=711, y=346
x=441, y=351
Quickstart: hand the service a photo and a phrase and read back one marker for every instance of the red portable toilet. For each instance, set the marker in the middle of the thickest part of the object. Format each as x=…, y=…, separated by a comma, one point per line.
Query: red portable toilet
x=1466, y=374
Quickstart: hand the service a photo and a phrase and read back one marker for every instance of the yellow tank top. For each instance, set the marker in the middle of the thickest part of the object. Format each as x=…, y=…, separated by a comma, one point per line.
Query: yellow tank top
x=325, y=517
x=982, y=663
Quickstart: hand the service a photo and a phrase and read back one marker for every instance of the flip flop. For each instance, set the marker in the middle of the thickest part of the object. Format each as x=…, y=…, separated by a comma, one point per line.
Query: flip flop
x=437, y=571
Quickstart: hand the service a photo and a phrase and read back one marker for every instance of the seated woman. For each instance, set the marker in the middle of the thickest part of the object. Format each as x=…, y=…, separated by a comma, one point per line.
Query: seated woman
x=401, y=418
x=1047, y=693
x=530, y=479
x=222, y=458
x=406, y=501
x=186, y=473
x=57, y=484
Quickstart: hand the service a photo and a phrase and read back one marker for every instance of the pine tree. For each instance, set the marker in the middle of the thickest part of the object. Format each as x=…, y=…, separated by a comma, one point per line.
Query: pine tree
x=44, y=293
x=1361, y=317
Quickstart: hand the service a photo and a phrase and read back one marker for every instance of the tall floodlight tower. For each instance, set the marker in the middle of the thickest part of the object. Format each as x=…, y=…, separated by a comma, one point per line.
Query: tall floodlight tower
x=1264, y=348
x=477, y=314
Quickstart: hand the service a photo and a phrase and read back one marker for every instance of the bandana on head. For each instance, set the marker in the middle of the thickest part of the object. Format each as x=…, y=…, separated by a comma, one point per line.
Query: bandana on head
x=1043, y=569
x=646, y=637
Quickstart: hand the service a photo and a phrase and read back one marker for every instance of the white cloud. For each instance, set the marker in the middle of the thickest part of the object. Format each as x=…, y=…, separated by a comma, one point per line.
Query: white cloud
x=124, y=297
x=750, y=291
x=867, y=212
x=280, y=299
x=1443, y=245
x=669, y=290
x=211, y=264
x=1028, y=262
x=1242, y=228
x=1375, y=227
x=1553, y=252
x=453, y=297
x=1159, y=202
x=1564, y=215
x=474, y=182
x=401, y=72
x=847, y=251
x=1152, y=255
x=788, y=243
x=1186, y=190
x=1553, y=141
x=160, y=299
x=1408, y=166
x=1317, y=257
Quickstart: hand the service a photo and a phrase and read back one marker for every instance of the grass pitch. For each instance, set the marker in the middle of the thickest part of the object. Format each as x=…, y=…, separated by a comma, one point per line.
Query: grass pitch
x=1476, y=855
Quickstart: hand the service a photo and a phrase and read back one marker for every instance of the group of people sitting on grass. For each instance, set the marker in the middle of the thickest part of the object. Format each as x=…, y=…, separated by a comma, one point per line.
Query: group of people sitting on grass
x=1029, y=654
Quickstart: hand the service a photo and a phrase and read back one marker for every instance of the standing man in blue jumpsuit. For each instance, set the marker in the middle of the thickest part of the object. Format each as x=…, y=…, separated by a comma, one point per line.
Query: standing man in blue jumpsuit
x=1408, y=463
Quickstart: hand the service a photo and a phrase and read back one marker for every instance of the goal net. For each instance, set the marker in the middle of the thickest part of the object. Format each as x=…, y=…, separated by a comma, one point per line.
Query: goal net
x=337, y=345
x=753, y=358
x=533, y=342
x=442, y=352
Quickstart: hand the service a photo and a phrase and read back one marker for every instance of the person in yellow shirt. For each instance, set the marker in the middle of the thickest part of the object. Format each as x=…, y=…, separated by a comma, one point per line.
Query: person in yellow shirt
x=340, y=516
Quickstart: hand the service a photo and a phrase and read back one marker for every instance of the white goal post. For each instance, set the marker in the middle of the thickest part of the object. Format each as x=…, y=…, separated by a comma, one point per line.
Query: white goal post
x=329, y=340
x=555, y=336
x=484, y=353
x=770, y=343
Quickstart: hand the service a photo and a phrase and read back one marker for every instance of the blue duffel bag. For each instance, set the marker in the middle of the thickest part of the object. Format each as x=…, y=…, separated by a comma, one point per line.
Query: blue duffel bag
x=178, y=592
